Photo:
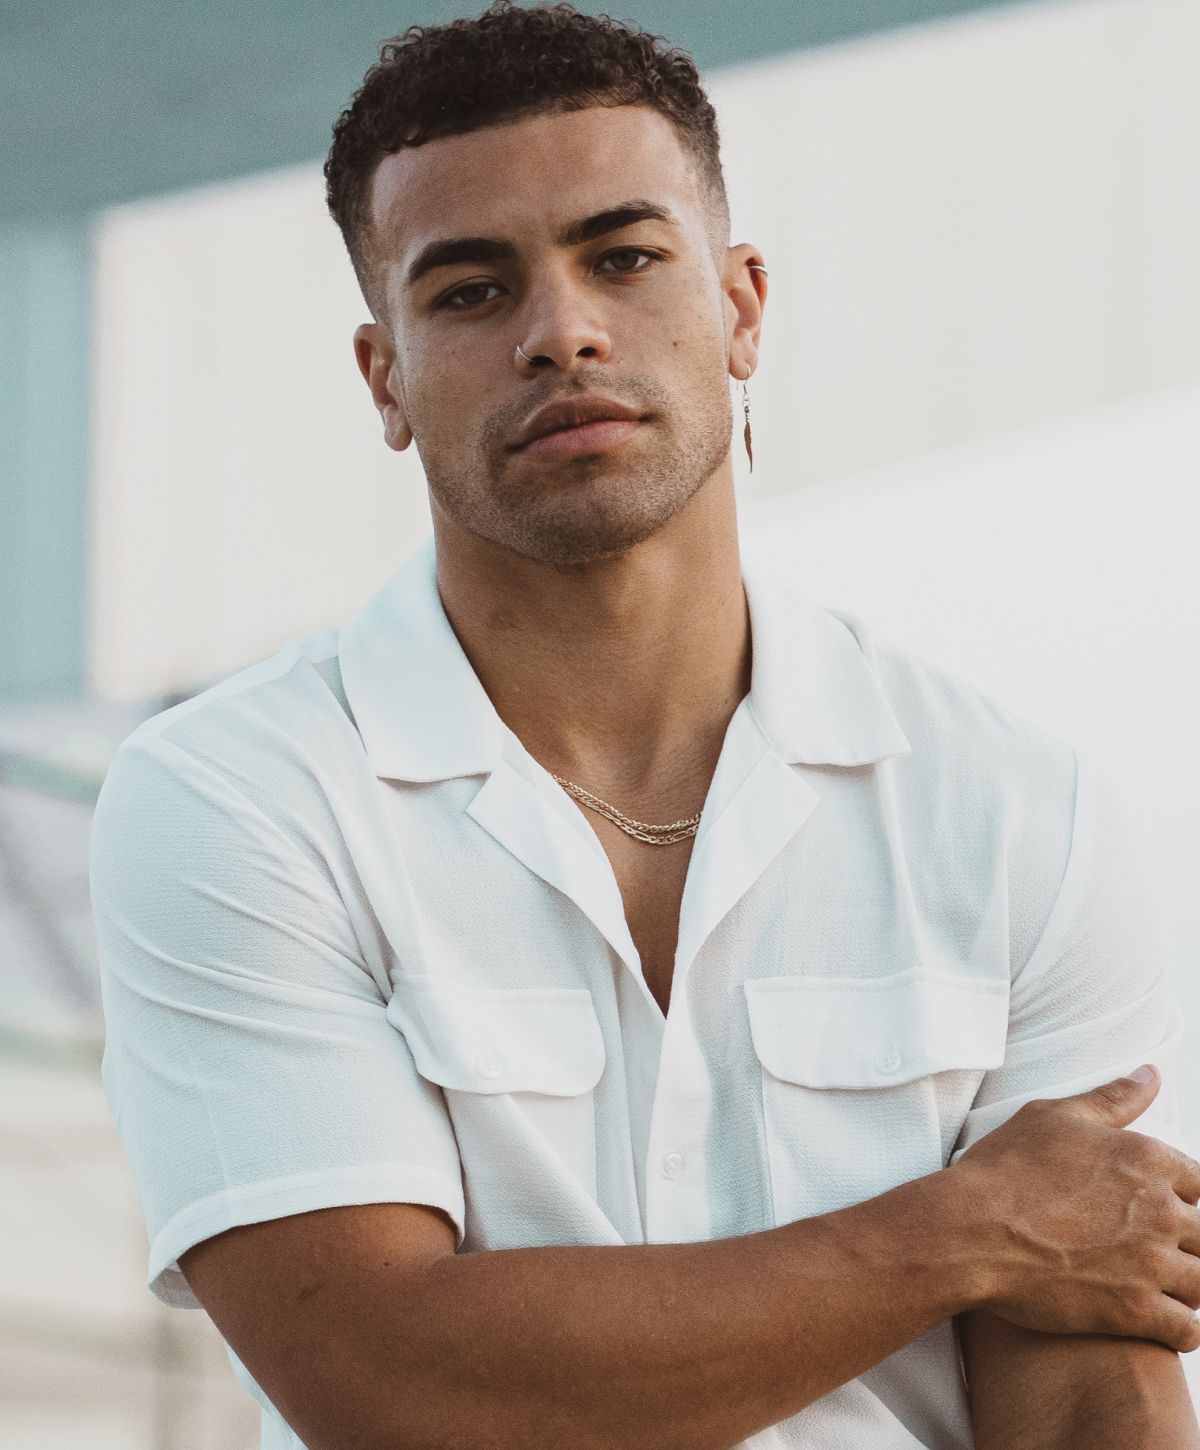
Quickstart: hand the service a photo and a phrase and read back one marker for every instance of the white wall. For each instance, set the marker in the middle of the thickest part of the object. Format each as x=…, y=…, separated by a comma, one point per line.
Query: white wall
x=969, y=226
x=242, y=494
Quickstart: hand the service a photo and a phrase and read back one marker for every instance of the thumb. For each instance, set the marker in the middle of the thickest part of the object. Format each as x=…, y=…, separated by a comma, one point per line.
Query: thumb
x=1124, y=1098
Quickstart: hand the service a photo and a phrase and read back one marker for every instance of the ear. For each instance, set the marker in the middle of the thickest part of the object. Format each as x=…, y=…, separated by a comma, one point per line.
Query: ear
x=745, y=297
x=375, y=353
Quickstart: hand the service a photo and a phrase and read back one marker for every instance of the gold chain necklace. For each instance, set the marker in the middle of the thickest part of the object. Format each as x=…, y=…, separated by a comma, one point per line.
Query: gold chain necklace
x=656, y=835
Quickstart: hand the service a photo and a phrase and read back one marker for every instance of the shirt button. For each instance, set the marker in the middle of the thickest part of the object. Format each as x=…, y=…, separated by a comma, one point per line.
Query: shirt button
x=489, y=1064
x=888, y=1060
x=672, y=1164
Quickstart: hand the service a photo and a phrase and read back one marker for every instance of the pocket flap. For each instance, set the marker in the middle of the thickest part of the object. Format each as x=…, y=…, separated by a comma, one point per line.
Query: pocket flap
x=867, y=1032
x=500, y=1039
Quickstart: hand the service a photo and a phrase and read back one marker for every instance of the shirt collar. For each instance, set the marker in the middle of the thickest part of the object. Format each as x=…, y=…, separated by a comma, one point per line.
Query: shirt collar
x=423, y=714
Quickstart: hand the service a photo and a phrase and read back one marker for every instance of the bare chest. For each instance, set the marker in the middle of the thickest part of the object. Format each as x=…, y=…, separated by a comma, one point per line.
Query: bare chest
x=650, y=879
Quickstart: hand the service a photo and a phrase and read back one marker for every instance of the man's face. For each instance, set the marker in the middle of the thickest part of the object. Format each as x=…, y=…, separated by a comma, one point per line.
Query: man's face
x=633, y=313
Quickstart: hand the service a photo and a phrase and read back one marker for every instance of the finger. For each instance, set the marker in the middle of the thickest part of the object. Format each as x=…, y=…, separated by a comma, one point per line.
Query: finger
x=1178, y=1169
x=1189, y=1231
x=1185, y=1179
x=1185, y=1280
x=1176, y=1326
x=1117, y=1102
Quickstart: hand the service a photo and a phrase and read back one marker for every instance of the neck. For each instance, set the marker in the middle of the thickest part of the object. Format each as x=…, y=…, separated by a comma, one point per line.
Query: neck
x=620, y=675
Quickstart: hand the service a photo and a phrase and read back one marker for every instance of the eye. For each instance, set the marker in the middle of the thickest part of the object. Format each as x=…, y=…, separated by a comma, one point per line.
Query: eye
x=464, y=302
x=650, y=257
x=448, y=300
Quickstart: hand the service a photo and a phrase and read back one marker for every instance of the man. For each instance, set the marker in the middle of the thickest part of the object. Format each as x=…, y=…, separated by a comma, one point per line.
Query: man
x=596, y=997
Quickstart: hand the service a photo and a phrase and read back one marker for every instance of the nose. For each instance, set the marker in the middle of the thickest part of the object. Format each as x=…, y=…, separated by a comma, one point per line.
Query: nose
x=560, y=326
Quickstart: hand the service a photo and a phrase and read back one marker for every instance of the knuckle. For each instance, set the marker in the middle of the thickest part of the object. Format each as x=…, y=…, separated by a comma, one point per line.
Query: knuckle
x=1110, y=1092
x=1154, y=1263
x=1035, y=1108
x=1141, y=1153
x=1161, y=1211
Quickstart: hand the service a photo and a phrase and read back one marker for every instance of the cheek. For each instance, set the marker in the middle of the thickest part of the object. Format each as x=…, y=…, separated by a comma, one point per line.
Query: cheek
x=440, y=398
x=697, y=333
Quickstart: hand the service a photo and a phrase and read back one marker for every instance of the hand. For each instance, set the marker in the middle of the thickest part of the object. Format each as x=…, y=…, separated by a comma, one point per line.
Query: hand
x=1092, y=1229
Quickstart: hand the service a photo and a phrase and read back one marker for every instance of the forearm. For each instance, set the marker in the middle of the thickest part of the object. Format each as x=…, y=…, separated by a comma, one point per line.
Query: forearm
x=1155, y=1411
x=1032, y=1391
x=694, y=1346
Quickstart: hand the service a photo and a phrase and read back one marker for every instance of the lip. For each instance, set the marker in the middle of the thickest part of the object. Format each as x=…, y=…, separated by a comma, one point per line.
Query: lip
x=573, y=415
x=595, y=437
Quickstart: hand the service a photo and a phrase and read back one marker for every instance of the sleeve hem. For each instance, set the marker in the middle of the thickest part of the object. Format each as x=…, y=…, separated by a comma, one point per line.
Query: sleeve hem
x=280, y=1197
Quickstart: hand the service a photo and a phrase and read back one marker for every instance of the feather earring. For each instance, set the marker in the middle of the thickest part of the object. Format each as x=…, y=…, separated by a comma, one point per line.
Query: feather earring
x=746, y=409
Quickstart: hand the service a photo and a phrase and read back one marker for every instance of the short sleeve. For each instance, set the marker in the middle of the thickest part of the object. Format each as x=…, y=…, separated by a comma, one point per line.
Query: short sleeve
x=1094, y=999
x=249, y=1064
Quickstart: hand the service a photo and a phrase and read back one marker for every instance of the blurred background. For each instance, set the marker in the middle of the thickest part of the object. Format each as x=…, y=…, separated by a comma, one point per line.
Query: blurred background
x=976, y=423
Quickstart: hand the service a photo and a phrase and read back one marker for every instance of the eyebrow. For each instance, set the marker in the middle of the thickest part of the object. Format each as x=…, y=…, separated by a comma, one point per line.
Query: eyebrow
x=448, y=251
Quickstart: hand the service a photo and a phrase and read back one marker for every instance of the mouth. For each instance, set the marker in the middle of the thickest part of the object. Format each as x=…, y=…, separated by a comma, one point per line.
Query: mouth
x=598, y=437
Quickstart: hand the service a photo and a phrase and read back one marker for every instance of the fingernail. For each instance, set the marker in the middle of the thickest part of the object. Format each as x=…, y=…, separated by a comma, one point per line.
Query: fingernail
x=1142, y=1074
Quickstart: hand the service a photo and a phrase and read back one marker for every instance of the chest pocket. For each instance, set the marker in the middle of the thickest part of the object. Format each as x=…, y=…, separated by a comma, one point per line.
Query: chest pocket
x=866, y=1081
x=518, y=1067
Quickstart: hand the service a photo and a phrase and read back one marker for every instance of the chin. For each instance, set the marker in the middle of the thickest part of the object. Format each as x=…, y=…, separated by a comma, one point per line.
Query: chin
x=581, y=514
x=574, y=536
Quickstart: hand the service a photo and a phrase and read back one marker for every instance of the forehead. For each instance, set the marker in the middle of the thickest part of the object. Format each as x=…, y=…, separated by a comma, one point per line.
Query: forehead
x=527, y=176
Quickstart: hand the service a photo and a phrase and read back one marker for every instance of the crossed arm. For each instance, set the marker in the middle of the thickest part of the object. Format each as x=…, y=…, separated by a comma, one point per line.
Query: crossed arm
x=1034, y=1391
x=1095, y=989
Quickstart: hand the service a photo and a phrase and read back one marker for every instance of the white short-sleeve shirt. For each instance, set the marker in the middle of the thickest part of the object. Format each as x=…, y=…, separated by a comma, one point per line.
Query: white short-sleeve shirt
x=358, y=946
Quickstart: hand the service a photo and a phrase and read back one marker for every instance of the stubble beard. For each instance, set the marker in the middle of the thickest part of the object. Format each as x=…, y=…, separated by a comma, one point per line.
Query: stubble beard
x=586, y=509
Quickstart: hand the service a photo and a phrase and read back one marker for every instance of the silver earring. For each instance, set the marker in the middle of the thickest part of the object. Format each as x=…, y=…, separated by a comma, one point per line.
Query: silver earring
x=746, y=410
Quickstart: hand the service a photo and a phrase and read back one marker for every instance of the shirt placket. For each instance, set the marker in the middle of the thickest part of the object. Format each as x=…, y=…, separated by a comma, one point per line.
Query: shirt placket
x=756, y=804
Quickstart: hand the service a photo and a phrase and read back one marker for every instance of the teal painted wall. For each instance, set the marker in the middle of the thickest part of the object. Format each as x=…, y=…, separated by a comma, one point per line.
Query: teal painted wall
x=44, y=396
x=120, y=100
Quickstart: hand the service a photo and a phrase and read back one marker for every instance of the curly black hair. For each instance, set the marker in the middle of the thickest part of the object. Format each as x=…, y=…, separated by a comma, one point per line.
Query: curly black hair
x=446, y=80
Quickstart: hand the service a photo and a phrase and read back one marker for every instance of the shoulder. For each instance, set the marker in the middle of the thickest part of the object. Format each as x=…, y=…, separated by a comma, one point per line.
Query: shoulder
x=965, y=741
x=992, y=804
x=278, y=733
